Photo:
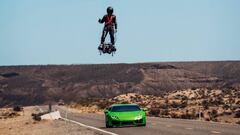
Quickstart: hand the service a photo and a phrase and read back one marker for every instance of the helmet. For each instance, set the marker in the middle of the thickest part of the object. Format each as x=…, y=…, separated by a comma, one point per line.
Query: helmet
x=109, y=10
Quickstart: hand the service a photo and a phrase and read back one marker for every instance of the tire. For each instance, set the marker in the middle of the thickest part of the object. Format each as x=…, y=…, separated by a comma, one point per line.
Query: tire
x=107, y=124
x=141, y=125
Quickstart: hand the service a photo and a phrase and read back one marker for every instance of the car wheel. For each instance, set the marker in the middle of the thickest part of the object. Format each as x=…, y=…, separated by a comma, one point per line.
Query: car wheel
x=107, y=123
x=142, y=125
x=108, y=126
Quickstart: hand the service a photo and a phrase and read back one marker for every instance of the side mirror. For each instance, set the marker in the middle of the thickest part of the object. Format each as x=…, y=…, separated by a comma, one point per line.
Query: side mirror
x=106, y=110
x=144, y=109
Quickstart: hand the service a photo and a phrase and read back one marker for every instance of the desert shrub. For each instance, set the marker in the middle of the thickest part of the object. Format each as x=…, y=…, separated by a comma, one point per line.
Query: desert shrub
x=188, y=115
x=238, y=102
x=163, y=106
x=174, y=115
x=201, y=114
x=237, y=114
x=166, y=101
x=17, y=108
x=207, y=119
x=238, y=94
x=215, y=120
x=183, y=104
x=205, y=104
x=154, y=112
x=226, y=107
x=142, y=104
x=226, y=91
x=218, y=101
x=164, y=112
x=202, y=94
x=194, y=88
x=213, y=114
x=125, y=102
x=184, y=98
x=174, y=105
x=227, y=113
x=178, y=96
x=102, y=105
x=231, y=100
x=234, y=108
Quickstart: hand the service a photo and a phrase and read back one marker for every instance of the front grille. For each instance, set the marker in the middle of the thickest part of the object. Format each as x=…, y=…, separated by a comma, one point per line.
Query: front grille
x=115, y=122
x=127, y=123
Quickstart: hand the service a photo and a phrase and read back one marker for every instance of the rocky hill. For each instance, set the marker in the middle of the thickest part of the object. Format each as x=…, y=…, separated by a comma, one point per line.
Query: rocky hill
x=29, y=85
x=202, y=104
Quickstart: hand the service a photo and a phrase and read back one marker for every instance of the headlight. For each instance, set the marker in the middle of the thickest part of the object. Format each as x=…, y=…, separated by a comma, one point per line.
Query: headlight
x=138, y=117
x=114, y=117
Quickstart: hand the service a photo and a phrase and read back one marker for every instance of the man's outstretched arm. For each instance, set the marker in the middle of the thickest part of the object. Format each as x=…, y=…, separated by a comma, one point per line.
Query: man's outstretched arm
x=101, y=20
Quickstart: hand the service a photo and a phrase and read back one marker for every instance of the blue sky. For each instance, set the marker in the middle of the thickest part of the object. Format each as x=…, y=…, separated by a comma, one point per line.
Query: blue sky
x=67, y=32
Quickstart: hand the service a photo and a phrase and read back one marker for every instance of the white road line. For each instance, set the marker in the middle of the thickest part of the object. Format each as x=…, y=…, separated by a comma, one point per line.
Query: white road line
x=168, y=125
x=154, y=124
x=191, y=120
x=91, y=127
x=215, y=132
x=188, y=128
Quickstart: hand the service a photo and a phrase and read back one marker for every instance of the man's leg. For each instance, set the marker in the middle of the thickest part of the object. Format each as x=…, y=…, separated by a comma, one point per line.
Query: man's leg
x=111, y=32
x=104, y=34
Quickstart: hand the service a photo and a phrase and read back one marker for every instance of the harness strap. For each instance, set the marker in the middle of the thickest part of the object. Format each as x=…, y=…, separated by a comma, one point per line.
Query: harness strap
x=109, y=20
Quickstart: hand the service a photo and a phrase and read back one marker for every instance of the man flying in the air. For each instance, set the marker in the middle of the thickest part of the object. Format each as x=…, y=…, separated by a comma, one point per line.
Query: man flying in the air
x=110, y=25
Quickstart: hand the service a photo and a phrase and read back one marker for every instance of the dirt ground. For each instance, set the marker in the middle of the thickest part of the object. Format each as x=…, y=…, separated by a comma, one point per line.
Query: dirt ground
x=25, y=125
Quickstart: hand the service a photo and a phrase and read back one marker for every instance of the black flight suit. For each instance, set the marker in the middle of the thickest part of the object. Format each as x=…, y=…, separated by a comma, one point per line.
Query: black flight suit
x=110, y=22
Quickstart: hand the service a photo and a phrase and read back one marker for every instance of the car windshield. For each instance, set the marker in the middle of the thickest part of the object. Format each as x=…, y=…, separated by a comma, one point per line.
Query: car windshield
x=125, y=108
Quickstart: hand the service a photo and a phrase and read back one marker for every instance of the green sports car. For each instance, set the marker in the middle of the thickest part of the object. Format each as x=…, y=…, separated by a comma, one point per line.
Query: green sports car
x=125, y=114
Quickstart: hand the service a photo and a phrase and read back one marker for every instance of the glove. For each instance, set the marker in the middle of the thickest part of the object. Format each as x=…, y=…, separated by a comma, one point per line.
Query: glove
x=99, y=20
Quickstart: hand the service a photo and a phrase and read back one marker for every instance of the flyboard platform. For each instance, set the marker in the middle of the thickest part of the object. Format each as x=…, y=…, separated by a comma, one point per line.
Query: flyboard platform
x=107, y=48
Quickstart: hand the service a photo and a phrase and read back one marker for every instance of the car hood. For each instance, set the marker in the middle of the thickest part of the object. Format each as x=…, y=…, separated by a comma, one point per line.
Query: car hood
x=127, y=115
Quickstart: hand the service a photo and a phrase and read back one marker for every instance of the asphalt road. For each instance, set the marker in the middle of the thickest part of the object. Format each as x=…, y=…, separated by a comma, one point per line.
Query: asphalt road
x=156, y=126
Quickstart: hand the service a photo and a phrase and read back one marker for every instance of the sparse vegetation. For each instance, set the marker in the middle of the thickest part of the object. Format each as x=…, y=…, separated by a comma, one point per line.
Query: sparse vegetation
x=175, y=106
x=237, y=114
x=213, y=115
x=154, y=112
x=226, y=107
x=188, y=115
x=205, y=104
x=8, y=113
x=164, y=112
x=167, y=87
x=17, y=108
